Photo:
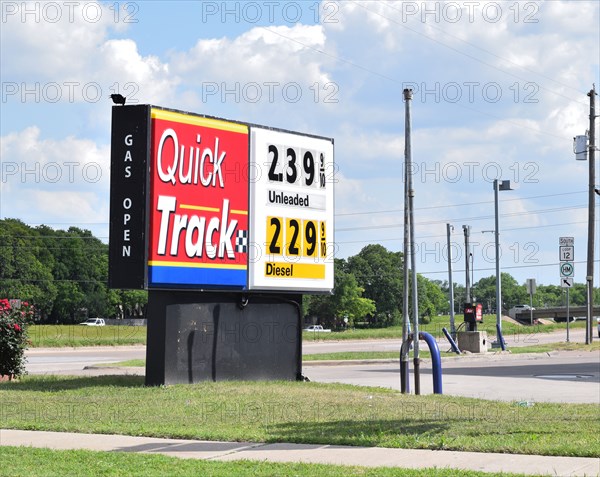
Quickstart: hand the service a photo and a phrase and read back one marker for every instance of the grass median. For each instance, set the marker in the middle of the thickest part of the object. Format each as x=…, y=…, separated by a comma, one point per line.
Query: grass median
x=56, y=336
x=60, y=336
x=297, y=412
x=545, y=348
x=510, y=330
x=22, y=461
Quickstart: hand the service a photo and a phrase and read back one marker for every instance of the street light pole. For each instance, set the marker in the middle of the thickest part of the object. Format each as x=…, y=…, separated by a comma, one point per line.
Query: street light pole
x=449, y=229
x=498, y=186
x=498, y=276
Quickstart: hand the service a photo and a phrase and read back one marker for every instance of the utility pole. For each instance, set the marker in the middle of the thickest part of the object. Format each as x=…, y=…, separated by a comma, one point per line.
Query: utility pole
x=405, y=386
x=591, y=219
x=413, y=263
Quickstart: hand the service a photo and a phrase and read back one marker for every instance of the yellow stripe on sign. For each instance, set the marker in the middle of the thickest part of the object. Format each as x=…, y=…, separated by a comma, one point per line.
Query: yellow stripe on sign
x=295, y=270
x=198, y=121
x=212, y=209
x=199, y=207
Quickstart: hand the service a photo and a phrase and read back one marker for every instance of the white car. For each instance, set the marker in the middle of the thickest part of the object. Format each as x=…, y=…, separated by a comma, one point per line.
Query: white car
x=93, y=322
x=317, y=329
x=518, y=309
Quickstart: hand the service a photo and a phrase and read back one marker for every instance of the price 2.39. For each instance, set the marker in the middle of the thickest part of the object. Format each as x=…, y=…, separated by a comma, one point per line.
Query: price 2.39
x=296, y=166
x=295, y=237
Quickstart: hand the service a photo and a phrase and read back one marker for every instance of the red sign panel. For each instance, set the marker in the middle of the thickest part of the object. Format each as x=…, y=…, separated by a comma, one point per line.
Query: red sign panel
x=198, y=221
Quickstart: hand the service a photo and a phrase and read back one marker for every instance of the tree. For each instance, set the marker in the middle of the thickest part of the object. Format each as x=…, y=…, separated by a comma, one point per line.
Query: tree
x=431, y=298
x=346, y=301
x=512, y=292
x=379, y=272
x=22, y=274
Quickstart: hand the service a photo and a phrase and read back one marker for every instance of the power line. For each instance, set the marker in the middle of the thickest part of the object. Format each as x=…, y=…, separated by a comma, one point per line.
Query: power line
x=391, y=239
x=459, y=219
x=506, y=268
x=459, y=205
x=343, y=60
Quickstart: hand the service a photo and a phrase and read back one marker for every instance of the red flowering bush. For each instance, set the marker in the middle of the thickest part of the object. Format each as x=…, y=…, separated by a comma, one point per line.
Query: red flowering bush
x=13, y=337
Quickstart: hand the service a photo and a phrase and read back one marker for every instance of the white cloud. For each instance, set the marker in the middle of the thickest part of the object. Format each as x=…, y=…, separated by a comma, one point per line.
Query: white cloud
x=274, y=54
x=75, y=58
x=45, y=180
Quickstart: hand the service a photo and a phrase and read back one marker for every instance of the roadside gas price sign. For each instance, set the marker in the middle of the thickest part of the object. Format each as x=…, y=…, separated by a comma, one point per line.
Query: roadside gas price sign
x=205, y=203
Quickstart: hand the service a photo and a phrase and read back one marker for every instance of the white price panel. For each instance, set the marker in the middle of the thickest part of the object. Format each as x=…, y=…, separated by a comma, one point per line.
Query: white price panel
x=291, y=199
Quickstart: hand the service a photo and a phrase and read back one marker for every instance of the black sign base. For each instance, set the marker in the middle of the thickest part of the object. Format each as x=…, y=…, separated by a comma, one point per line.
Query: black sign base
x=206, y=336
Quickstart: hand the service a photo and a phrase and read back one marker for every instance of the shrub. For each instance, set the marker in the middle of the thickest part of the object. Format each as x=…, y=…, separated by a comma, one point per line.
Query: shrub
x=13, y=337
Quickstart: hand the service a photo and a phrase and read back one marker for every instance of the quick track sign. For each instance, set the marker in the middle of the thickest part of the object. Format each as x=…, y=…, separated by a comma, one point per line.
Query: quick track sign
x=198, y=203
x=204, y=203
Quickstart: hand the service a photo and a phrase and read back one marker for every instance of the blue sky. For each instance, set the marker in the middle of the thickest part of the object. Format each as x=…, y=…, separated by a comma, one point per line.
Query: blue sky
x=499, y=92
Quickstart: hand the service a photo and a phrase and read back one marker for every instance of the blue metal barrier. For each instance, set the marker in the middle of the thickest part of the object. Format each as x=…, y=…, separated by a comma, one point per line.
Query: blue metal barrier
x=455, y=347
x=500, y=337
x=436, y=362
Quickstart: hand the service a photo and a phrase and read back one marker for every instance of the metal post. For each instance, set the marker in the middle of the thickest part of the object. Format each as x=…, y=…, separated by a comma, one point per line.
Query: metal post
x=498, y=276
x=449, y=229
x=591, y=219
x=530, y=307
x=413, y=262
x=466, y=230
x=406, y=264
x=567, y=315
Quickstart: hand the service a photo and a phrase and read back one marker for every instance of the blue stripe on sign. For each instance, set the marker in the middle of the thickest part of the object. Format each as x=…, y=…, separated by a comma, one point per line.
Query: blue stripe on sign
x=196, y=277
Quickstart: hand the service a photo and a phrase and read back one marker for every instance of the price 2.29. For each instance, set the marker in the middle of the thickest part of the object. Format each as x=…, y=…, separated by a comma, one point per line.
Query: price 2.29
x=296, y=237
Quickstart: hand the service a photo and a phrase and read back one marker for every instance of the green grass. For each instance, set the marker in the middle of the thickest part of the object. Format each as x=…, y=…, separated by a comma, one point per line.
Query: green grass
x=544, y=348
x=549, y=347
x=57, y=336
x=23, y=461
x=297, y=412
x=130, y=363
x=435, y=328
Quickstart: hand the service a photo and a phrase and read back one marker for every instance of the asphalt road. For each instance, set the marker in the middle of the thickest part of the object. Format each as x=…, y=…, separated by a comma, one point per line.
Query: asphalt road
x=65, y=360
x=570, y=377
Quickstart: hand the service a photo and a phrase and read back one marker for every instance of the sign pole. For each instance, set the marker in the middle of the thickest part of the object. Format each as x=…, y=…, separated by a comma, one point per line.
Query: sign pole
x=566, y=251
x=530, y=307
x=568, y=315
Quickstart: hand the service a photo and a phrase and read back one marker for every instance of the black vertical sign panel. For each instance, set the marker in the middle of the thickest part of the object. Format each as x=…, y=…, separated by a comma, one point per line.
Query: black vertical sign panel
x=129, y=178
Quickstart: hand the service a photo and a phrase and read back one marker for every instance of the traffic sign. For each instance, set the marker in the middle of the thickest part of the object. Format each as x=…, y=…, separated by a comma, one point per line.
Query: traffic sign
x=567, y=253
x=567, y=269
x=566, y=282
x=570, y=241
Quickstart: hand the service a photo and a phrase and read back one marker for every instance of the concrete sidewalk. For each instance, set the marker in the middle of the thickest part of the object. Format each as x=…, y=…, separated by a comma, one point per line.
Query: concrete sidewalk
x=322, y=454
